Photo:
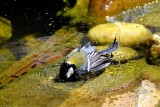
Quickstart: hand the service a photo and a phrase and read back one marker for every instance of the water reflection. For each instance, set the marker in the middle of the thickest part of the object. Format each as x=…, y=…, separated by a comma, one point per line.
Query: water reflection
x=133, y=14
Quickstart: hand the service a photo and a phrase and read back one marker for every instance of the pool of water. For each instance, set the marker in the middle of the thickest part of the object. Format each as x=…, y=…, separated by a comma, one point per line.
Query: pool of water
x=31, y=62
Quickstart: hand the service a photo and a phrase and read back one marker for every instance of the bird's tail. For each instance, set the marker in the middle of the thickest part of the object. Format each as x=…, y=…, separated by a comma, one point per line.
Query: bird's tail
x=111, y=48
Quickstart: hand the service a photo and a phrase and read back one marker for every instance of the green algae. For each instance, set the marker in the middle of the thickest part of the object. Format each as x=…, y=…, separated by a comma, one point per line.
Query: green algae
x=79, y=13
x=148, y=19
x=118, y=75
x=152, y=73
x=158, y=105
x=5, y=29
x=37, y=88
x=122, y=54
x=6, y=60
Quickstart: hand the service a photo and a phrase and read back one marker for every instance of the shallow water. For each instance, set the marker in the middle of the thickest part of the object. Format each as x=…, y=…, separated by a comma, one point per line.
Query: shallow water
x=28, y=80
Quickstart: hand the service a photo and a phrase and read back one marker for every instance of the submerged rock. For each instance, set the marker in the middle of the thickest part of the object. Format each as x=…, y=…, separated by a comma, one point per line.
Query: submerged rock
x=127, y=34
x=22, y=47
x=5, y=29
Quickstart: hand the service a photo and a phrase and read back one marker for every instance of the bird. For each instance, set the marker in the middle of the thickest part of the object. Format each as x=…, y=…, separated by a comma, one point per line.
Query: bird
x=85, y=59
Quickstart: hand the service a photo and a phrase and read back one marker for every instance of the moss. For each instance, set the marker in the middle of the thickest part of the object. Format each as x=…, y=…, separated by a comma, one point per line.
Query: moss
x=79, y=13
x=122, y=54
x=6, y=60
x=152, y=73
x=158, y=105
x=5, y=29
x=119, y=75
x=148, y=19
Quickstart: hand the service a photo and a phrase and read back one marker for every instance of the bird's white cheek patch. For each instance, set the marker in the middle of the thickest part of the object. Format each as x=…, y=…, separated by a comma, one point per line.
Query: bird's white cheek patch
x=70, y=72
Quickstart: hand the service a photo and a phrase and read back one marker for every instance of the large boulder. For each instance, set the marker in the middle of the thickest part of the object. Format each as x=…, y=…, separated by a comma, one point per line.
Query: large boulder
x=127, y=34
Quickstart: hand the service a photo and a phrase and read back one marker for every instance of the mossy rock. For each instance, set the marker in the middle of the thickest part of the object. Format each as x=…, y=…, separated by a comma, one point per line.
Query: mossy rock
x=5, y=29
x=122, y=54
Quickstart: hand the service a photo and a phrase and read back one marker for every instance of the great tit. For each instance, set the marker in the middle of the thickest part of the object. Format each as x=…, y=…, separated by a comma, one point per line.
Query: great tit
x=85, y=59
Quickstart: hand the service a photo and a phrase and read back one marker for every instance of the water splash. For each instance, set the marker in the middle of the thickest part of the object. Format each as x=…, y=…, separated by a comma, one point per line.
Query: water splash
x=132, y=14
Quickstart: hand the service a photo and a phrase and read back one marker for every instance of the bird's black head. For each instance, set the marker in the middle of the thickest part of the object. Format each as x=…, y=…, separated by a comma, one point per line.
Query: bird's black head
x=67, y=73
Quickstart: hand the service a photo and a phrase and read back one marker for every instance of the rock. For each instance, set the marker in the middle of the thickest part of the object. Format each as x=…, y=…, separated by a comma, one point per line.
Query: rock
x=145, y=95
x=154, y=51
x=154, y=54
x=151, y=40
x=122, y=54
x=127, y=34
x=5, y=29
x=148, y=95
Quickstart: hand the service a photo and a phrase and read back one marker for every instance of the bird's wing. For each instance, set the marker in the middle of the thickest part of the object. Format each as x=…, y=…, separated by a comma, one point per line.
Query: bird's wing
x=97, y=61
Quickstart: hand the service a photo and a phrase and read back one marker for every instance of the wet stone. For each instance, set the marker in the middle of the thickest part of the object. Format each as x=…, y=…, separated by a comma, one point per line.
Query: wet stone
x=127, y=34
